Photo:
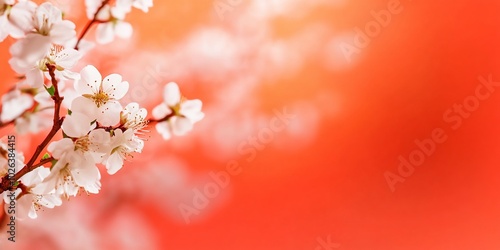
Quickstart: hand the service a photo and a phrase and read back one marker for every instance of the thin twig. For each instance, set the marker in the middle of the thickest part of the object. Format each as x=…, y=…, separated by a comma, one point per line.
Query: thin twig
x=90, y=23
x=57, y=123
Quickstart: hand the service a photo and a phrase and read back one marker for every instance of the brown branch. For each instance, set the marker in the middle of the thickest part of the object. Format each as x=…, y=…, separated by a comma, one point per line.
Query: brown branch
x=57, y=123
x=152, y=121
x=90, y=23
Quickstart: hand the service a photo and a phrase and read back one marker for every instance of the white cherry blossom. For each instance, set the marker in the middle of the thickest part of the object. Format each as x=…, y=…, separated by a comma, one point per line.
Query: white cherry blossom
x=48, y=22
x=30, y=202
x=16, y=18
x=176, y=116
x=134, y=117
x=121, y=146
x=76, y=157
x=48, y=28
x=111, y=21
x=99, y=97
x=64, y=59
x=75, y=169
x=14, y=104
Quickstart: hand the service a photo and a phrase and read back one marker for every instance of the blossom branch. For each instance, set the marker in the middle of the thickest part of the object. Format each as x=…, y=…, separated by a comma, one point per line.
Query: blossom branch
x=152, y=121
x=57, y=123
x=90, y=23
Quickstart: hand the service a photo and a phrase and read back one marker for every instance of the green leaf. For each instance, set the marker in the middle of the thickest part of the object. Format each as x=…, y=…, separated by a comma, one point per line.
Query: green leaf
x=51, y=90
x=70, y=112
x=45, y=156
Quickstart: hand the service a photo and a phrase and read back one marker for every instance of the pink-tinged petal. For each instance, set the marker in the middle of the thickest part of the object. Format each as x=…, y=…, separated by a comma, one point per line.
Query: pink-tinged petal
x=131, y=108
x=85, y=106
x=143, y=5
x=142, y=113
x=66, y=74
x=163, y=129
x=90, y=81
x=34, y=78
x=119, y=11
x=67, y=58
x=100, y=136
x=35, y=176
x=105, y=33
x=4, y=27
x=62, y=32
x=31, y=49
x=19, y=66
x=85, y=174
x=123, y=30
x=61, y=147
x=50, y=201
x=114, y=87
x=171, y=94
x=192, y=110
x=14, y=104
x=161, y=111
x=48, y=11
x=114, y=163
x=181, y=125
x=76, y=125
x=92, y=6
x=21, y=18
x=109, y=113
x=104, y=14
x=24, y=207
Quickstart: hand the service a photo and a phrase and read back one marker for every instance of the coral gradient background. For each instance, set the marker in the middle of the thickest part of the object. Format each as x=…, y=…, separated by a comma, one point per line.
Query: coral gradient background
x=323, y=175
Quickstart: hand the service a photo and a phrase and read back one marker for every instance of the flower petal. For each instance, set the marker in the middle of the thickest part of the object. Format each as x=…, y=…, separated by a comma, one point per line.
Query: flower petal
x=114, y=163
x=123, y=30
x=90, y=81
x=192, y=110
x=104, y=33
x=67, y=58
x=109, y=113
x=62, y=32
x=77, y=125
x=85, y=106
x=161, y=111
x=181, y=125
x=114, y=87
x=59, y=148
x=172, y=94
x=163, y=129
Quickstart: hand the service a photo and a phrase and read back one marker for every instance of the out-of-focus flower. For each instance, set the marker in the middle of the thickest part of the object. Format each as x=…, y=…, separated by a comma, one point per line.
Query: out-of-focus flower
x=14, y=104
x=76, y=158
x=175, y=115
x=48, y=28
x=16, y=19
x=64, y=59
x=111, y=19
x=121, y=146
x=143, y=5
x=29, y=201
x=48, y=22
x=99, y=98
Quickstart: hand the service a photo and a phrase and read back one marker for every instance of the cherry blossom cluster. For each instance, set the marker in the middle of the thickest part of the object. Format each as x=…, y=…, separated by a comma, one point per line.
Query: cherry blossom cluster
x=81, y=107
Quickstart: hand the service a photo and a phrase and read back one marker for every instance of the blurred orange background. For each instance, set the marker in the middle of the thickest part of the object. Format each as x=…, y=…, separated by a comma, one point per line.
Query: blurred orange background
x=322, y=178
